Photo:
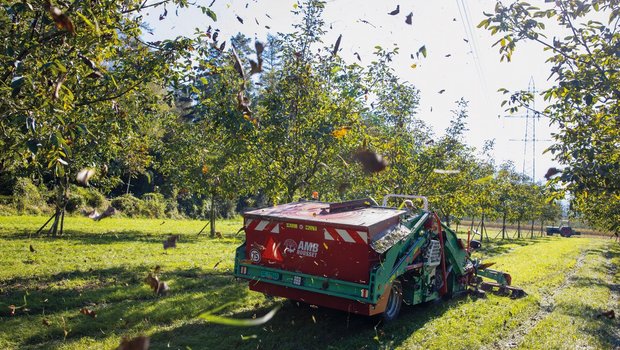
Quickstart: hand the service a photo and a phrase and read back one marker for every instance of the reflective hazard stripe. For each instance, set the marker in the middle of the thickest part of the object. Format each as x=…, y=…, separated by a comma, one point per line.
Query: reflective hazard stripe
x=327, y=235
x=262, y=225
x=343, y=235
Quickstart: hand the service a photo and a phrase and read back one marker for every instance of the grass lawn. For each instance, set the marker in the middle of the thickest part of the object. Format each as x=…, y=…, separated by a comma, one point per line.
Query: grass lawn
x=101, y=266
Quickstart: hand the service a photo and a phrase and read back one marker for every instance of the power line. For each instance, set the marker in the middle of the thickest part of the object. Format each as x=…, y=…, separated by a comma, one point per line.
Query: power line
x=472, y=42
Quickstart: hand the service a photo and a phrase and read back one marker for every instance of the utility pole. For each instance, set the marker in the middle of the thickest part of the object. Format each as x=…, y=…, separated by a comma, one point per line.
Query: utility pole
x=531, y=118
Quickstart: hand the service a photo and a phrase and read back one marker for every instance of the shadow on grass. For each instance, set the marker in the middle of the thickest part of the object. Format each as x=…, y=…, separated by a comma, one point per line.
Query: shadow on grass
x=122, y=304
x=298, y=326
x=497, y=247
x=118, y=237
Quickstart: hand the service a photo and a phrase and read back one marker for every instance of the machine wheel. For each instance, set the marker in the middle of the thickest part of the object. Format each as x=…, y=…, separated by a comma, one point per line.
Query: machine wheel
x=394, y=303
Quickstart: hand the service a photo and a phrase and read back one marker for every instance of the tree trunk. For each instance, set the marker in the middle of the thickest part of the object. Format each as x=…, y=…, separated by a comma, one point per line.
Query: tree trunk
x=483, y=229
x=504, y=226
x=518, y=228
x=532, y=230
x=212, y=216
x=128, y=183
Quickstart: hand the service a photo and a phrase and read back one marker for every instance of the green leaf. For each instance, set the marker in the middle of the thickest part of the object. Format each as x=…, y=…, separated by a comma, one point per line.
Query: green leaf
x=211, y=14
x=33, y=146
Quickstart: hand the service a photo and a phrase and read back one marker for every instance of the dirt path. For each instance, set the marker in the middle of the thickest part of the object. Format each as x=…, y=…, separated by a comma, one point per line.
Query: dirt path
x=547, y=304
x=614, y=297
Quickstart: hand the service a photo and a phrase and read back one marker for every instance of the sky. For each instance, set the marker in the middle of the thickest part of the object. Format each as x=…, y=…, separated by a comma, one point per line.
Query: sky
x=460, y=59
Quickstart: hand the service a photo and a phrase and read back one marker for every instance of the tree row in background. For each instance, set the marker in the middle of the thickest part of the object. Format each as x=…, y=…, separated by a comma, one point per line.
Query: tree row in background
x=204, y=127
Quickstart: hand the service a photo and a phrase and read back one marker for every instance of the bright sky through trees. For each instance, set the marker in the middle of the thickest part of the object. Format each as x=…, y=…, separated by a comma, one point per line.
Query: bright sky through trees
x=460, y=61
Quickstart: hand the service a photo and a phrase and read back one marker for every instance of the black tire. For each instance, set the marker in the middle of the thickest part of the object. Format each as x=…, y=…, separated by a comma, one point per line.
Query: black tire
x=394, y=303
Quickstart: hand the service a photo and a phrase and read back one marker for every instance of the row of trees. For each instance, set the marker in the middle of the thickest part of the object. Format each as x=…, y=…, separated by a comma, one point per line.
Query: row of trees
x=254, y=123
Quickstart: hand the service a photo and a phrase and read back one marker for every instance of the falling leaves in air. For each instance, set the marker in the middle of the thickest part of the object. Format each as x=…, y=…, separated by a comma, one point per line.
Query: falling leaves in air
x=465, y=40
x=222, y=47
x=217, y=264
x=358, y=56
x=164, y=14
x=158, y=287
x=210, y=317
x=395, y=12
x=341, y=132
x=267, y=15
x=551, y=172
x=442, y=91
x=337, y=45
x=243, y=104
x=366, y=22
x=257, y=67
x=255, y=20
x=610, y=314
x=237, y=64
x=62, y=20
x=88, y=312
x=171, y=241
x=409, y=18
x=448, y=55
x=414, y=66
x=137, y=343
x=84, y=175
x=32, y=250
x=107, y=213
x=240, y=19
x=371, y=162
x=421, y=51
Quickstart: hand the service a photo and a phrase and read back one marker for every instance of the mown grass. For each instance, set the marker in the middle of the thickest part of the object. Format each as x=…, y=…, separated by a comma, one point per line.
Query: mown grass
x=101, y=266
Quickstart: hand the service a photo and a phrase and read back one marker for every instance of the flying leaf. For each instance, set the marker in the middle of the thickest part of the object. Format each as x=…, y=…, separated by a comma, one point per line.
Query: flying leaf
x=337, y=45
x=240, y=19
x=358, y=56
x=422, y=50
x=442, y=91
x=62, y=21
x=551, y=172
x=137, y=343
x=84, y=175
x=414, y=66
x=409, y=18
x=88, y=312
x=237, y=64
x=395, y=12
x=341, y=132
x=371, y=161
x=208, y=316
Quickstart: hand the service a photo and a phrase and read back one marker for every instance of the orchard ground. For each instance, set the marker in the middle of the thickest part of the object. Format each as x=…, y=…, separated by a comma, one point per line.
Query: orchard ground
x=101, y=266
